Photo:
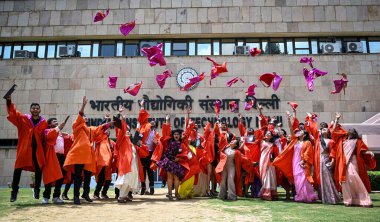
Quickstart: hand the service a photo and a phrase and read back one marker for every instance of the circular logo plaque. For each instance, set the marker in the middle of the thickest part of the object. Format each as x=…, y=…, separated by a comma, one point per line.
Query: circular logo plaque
x=184, y=75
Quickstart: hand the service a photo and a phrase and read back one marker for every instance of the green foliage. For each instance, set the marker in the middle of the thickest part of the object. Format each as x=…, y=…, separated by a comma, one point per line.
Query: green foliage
x=374, y=178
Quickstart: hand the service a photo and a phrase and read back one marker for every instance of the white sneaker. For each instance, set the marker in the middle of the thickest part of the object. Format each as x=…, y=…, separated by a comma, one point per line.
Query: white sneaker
x=45, y=200
x=57, y=200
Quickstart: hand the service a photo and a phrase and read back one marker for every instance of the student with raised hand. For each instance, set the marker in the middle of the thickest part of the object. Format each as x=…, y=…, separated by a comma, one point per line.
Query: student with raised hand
x=296, y=163
x=353, y=158
x=53, y=172
x=80, y=158
x=148, y=134
x=30, y=152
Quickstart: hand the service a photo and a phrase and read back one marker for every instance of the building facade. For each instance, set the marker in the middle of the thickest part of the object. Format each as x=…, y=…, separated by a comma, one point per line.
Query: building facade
x=343, y=36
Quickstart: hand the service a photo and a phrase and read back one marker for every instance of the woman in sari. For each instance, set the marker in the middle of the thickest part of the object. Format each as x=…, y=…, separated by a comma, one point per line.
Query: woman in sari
x=296, y=162
x=325, y=148
x=269, y=151
x=352, y=160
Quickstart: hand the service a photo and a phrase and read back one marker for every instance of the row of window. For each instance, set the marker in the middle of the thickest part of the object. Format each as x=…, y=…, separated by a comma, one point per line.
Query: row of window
x=192, y=47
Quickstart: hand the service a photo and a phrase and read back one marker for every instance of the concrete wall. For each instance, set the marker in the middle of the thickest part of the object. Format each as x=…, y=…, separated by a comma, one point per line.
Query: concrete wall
x=73, y=18
x=59, y=84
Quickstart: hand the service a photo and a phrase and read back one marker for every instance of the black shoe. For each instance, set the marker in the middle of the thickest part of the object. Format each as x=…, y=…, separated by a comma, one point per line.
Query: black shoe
x=76, y=201
x=87, y=198
x=130, y=196
x=142, y=191
x=65, y=197
x=163, y=185
x=96, y=196
x=36, y=194
x=151, y=191
x=105, y=196
x=13, y=196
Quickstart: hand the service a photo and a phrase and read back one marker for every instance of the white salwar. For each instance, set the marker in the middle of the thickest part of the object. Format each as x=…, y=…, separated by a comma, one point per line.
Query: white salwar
x=129, y=181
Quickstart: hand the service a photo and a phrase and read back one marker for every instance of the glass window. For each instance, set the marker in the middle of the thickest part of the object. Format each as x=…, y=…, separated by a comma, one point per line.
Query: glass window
x=275, y=46
x=59, y=45
x=192, y=48
x=302, y=46
x=216, y=47
x=253, y=43
x=228, y=46
x=51, y=50
x=131, y=49
x=1, y=51
x=168, y=48
x=119, y=49
x=289, y=46
x=95, y=49
x=302, y=43
x=7, y=51
x=314, y=46
x=179, y=48
x=84, y=49
x=204, y=47
x=264, y=44
x=240, y=42
x=30, y=47
x=364, y=45
x=374, y=45
x=41, y=50
x=108, y=49
x=16, y=47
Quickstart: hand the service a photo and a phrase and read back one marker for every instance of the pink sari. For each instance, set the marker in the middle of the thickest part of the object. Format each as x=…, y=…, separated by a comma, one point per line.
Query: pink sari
x=304, y=190
x=267, y=173
x=354, y=191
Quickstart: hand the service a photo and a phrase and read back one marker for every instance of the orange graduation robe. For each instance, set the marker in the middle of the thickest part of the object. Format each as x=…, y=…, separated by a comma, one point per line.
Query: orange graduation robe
x=81, y=151
x=123, y=152
x=52, y=170
x=364, y=160
x=26, y=130
x=284, y=162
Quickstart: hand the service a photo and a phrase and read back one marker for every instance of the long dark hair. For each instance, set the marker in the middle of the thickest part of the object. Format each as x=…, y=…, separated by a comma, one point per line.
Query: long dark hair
x=307, y=135
x=355, y=134
x=176, y=131
x=273, y=139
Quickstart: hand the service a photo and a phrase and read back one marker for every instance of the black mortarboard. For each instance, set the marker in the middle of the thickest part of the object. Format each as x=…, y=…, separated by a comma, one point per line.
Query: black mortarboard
x=10, y=91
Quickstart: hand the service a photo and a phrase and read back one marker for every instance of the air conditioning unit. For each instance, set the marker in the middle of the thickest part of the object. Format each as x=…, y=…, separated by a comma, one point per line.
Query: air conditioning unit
x=354, y=47
x=21, y=54
x=144, y=44
x=241, y=50
x=67, y=51
x=330, y=48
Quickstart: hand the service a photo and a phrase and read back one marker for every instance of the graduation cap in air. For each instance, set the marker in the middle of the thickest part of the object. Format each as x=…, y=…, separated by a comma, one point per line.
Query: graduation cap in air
x=233, y=81
x=267, y=79
x=154, y=55
x=10, y=91
x=251, y=90
x=133, y=89
x=161, y=78
x=217, y=68
x=307, y=60
x=255, y=51
x=193, y=81
x=340, y=84
x=126, y=28
x=293, y=105
x=100, y=15
x=112, y=81
x=233, y=106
